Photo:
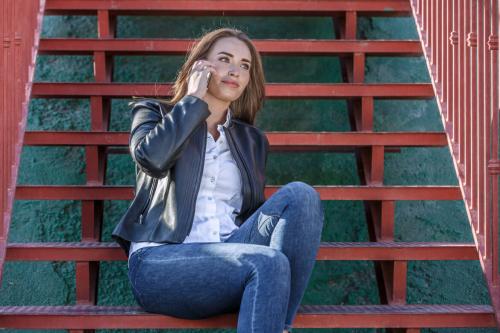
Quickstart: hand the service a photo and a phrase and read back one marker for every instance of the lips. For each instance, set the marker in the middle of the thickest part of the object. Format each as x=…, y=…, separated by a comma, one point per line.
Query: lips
x=231, y=83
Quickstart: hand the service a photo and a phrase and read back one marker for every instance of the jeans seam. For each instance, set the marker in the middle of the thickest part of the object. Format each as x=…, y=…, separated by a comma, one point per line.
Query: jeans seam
x=256, y=291
x=291, y=195
x=138, y=253
x=184, y=258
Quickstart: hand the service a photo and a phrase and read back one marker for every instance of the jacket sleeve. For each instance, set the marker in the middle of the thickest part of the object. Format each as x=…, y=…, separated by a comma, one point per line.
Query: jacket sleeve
x=156, y=140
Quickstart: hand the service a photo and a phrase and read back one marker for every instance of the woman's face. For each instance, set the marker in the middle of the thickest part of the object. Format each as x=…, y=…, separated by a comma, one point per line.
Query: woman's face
x=232, y=60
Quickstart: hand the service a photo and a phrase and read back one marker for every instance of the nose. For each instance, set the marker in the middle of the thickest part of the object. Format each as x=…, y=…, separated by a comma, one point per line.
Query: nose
x=234, y=70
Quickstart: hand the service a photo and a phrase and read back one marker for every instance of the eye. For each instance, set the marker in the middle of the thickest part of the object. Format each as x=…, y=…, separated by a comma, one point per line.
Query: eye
x=246, y=65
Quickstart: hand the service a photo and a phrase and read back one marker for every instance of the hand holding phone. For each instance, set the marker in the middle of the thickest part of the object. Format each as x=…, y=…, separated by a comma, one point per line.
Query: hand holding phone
x=199, y=78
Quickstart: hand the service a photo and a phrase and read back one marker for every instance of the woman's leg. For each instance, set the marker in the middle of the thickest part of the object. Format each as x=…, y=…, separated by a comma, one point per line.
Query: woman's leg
x=198, y=280
x=291, y=221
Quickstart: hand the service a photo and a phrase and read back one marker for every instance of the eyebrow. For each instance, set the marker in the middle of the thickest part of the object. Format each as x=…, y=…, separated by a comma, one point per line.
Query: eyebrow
x=229, y=54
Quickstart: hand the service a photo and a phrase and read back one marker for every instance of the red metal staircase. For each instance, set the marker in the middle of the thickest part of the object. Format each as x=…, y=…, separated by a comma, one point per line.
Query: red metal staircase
x=391, y=257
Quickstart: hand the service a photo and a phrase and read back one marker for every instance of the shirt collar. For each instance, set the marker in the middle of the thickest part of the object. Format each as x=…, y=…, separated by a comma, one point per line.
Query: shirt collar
x=228, y=117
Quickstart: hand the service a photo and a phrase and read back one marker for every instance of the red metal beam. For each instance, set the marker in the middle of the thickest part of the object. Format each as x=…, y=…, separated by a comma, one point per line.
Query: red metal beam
x=98, y=251
x=330, y=192
x=273, y=90
x=309, y=47
x=231, y=8
x=74, y=192
x=279, y=141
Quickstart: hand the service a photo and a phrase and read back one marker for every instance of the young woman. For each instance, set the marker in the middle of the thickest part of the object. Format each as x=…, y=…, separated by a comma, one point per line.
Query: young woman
x=200, y=236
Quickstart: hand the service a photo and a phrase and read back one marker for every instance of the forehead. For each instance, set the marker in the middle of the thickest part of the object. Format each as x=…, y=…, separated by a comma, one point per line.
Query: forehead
x=231, y=45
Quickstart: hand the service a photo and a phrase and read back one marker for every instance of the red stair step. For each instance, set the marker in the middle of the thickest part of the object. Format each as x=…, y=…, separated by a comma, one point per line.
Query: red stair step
x=81, y=46
x=273, y=90
x=327, y=192
x=279, y=141
x=308, y=316
x=389, y=250
x=99, y=251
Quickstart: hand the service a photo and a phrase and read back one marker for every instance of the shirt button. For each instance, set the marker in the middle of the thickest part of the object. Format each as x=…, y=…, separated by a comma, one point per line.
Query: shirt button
x=212, y=179
x=209, y=198
x=214, y=233
x=215, y=157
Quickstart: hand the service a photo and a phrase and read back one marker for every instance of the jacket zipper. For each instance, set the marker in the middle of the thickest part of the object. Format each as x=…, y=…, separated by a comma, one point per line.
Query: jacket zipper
x=200, y=174
x=240, y=162
x=150, y=196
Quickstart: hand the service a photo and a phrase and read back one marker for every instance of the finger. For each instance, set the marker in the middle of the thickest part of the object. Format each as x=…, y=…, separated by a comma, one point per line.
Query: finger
x=206, y=64
x=196, y=69
x=207, y=69
x=201, y=68
x=193, y=69
x=197, y=64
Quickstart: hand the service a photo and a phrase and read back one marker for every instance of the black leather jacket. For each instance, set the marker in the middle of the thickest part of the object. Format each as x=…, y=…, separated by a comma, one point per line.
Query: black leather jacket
x=168, y=145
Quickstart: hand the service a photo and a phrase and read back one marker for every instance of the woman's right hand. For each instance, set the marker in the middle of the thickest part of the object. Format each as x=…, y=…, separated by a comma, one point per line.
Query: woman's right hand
x=199, y=78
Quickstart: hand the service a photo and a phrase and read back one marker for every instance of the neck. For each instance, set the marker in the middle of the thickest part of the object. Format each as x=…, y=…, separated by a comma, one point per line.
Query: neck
x=218, y=109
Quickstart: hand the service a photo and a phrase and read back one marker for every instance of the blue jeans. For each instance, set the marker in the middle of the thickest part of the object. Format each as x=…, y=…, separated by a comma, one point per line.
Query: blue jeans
x=261, y=270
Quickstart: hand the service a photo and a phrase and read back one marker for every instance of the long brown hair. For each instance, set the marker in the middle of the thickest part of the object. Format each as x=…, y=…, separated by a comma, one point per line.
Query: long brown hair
x=251, y=100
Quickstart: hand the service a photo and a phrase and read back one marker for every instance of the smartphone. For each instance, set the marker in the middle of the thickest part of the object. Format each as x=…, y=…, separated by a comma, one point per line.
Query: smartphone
x=209, y=77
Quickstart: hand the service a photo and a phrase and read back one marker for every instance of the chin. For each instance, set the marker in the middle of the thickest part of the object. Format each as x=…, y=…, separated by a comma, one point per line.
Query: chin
x=224, y=95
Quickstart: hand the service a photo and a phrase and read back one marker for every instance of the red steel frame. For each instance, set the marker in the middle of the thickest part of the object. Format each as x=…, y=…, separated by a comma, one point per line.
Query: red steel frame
x=469, y=105
x=460, y=42
x=20, y=24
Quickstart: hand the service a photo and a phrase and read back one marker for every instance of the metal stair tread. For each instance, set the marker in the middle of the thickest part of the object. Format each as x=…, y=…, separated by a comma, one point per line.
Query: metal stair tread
x=385, y=244
x=327, y=192
x=119, y=46
x=336, y=251
x=273, y=90
x=310, y=140
x=304, y=309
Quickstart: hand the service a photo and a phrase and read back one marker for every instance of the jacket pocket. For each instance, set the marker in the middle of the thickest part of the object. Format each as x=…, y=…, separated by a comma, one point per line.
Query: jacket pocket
x=148, y=201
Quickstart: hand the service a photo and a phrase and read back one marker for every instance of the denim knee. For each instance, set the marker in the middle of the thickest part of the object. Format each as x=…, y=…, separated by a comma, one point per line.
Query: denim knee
x=306, y=196
x=303, y=191
x=273, y=262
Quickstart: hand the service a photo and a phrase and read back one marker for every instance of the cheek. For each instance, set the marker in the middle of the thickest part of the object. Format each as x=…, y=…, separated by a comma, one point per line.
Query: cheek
x=220, y=70
x=247, y=79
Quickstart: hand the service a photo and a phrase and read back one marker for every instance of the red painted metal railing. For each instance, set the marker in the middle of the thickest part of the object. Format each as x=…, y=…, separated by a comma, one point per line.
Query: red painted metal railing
x=20, y=25
x=460, y=42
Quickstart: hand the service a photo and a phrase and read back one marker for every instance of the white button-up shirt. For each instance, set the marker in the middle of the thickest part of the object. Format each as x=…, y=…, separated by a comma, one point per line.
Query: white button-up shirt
x=220, y=196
